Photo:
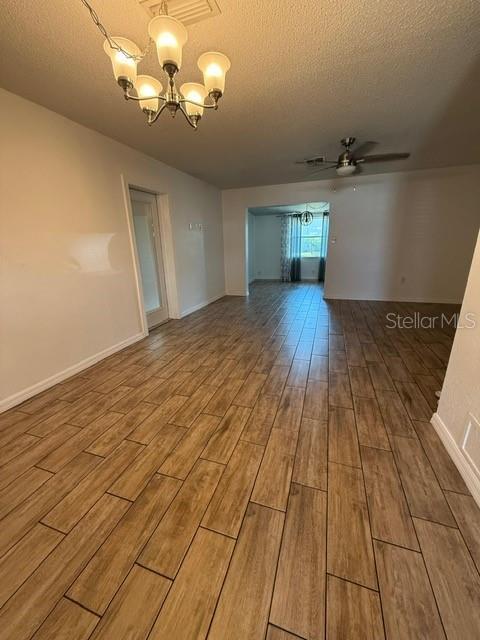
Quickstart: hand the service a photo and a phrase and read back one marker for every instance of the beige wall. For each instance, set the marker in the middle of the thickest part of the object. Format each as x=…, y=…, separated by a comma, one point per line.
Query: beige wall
x=67, y=289
x=399, y=236
x=460, y=398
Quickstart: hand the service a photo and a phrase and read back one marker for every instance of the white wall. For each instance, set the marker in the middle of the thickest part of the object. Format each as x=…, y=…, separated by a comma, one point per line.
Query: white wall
x=399, y=236
x=68, y=290
x=461, y=389
x=251, y=248
x=267, y=247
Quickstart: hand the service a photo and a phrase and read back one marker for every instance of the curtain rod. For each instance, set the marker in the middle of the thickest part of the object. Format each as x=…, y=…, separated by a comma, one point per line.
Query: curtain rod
x=282, y=215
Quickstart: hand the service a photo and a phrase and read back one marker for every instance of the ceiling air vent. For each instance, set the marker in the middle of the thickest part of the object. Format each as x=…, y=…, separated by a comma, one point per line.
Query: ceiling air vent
x=187, y=11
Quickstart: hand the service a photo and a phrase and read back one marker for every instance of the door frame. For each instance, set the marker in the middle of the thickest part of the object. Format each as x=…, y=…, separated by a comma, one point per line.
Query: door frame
x=163, y=222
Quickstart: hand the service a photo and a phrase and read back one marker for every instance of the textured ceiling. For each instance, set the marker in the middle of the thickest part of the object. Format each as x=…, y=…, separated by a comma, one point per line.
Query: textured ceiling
x=304, y=74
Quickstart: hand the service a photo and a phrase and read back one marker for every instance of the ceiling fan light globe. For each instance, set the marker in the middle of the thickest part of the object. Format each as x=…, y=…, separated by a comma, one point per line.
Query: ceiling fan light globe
x=346, y=170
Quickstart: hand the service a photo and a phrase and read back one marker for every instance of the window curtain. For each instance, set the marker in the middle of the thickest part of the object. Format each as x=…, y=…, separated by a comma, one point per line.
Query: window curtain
x=295, y=248
x=323, y=247
x=290, y=249
x=285, y=249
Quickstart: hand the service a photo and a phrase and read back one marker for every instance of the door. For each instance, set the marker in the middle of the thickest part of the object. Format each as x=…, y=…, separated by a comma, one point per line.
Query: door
x=149, y=251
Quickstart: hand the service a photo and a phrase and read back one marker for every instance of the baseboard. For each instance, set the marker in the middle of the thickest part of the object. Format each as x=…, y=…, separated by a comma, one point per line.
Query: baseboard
x=468, y=474
x=237, y=292
x=200, y=305
x=38, y=387
x=330, y=296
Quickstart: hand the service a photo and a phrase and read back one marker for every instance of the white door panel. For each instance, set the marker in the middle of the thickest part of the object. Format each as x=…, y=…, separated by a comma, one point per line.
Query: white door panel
x=149, y=252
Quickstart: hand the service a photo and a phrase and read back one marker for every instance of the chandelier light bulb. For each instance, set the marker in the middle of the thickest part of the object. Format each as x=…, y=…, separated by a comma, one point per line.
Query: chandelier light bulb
x=169, y=36
x=214, y=67
x=124, y=67
x=146, y=86
x=196, y=93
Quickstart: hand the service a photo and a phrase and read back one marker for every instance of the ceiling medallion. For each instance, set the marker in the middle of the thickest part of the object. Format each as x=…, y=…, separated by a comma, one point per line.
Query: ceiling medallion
x=169, y=36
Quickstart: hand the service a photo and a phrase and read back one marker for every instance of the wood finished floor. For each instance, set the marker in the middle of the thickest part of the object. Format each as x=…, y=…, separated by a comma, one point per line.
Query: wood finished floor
x=264, y=468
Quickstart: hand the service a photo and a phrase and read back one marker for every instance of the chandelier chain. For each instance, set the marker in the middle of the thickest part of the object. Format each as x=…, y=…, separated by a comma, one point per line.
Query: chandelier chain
x=110, y=40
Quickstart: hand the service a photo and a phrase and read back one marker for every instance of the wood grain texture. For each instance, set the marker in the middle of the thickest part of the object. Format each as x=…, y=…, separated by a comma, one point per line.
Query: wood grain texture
x=189, y=448
x=28, y=513
x=65, y=515
x=316, y=401
x=311, y=465
x=39, y=594
x=167, y=547
x=68, y=621
x=274, y=633
x=389, y=515
x=248, y=384
x=339, y=393
x=22, y=559
x=409, y=607
x=353, y=611
x=273, y=480
x=99, y=581
x=342, y=437
x=134, y=479
x=370, y=427
x=223, y=441
x=259, y=425
x=467, y=515
x=135, y=607
x=360, y=382
x=414, y=401
x=191, y=601
x=244, y=603
x=458, y=595
x=447, y=473
x=394, y=414
x=349, y=551
x=299, y=593
x=424, y=495
x=229, y=503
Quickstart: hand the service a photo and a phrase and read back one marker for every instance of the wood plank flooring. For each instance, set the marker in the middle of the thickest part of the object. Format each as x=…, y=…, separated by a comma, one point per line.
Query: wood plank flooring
x=263, y=469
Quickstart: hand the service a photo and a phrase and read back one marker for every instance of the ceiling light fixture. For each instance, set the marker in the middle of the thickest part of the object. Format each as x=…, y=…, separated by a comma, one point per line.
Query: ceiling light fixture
x=169, y=36
x=305, y=217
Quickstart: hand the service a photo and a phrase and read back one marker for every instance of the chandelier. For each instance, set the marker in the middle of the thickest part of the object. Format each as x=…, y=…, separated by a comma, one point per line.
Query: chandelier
x=169, y=35
x=305, y=217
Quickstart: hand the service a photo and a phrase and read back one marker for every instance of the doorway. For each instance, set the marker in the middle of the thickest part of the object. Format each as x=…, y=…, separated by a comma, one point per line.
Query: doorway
x=148, y=245
x=288, y=242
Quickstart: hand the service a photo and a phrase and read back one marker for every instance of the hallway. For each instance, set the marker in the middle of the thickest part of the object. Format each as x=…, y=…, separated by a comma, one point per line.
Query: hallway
x=263, y=468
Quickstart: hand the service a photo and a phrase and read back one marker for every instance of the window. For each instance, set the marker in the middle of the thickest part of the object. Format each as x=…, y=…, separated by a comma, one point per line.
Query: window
x=312, y=238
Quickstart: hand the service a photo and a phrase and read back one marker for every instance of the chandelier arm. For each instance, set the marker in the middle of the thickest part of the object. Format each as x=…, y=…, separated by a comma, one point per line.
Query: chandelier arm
x=111, y=41
x=197, y=104
x=138, y=99
x=187, y=117
x=157, y=115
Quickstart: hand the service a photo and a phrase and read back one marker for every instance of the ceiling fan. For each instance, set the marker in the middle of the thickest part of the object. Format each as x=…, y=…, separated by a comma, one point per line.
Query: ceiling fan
x=348, y=161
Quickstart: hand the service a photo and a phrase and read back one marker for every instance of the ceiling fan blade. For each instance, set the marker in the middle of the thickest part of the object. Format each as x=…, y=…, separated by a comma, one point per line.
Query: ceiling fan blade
x=332, y=166
x=383, y=157
x=315, y=161
x=365, y=148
